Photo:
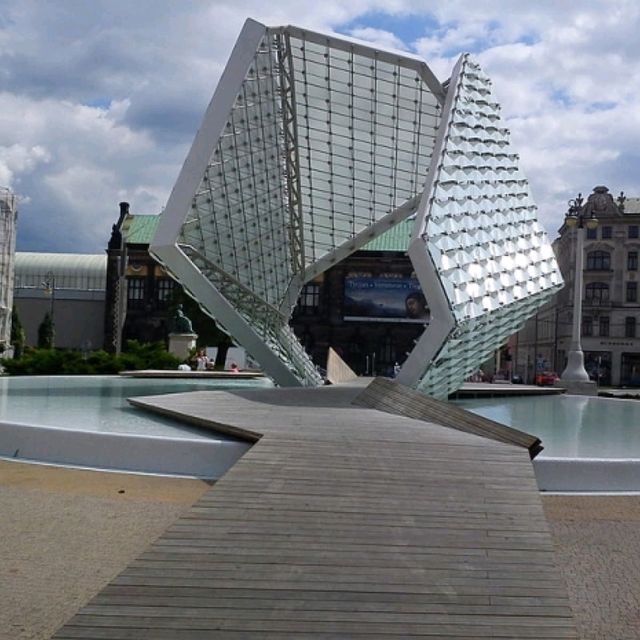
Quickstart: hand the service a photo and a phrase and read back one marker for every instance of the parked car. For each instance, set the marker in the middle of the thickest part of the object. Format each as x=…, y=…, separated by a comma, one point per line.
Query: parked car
x=546, y=378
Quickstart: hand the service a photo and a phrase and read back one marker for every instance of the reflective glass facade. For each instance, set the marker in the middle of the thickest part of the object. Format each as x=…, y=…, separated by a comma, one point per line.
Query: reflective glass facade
x=314, y=145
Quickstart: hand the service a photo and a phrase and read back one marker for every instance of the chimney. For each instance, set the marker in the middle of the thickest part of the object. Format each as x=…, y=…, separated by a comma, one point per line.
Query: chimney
x=124, y=212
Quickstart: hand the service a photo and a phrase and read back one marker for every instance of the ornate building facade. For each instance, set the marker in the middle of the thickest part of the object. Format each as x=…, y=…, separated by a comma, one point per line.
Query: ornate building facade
x=359, y=307
x=611, y=302
x=138, y=289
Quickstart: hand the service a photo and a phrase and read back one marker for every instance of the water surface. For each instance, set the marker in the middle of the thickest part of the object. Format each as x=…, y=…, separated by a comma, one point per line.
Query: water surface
x=99, y=403
x=569, y=426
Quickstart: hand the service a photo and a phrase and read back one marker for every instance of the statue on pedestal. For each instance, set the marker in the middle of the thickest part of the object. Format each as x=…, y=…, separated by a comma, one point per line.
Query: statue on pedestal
x=181, y=324
x=182, y=339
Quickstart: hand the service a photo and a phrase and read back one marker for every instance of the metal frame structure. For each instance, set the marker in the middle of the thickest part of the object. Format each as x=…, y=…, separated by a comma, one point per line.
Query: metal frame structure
x=315, y=144
x=8, y=218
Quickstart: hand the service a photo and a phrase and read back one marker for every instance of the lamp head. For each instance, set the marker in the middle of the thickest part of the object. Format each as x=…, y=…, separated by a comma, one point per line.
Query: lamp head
x=591, y=223
x=571, y=220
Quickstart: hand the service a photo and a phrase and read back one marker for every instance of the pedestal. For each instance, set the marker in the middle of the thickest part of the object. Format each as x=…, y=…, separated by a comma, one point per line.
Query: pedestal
x=180, y=344
x=578, y=387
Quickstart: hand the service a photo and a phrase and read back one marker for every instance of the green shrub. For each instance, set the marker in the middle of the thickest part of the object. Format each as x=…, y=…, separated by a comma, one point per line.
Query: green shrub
x=18, y=337
x=147, y=355
x=68, y=362
x=46, y=332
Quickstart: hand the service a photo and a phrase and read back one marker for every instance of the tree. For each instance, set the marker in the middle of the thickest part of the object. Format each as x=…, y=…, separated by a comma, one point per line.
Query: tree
x=46, y=332
x=18, y=337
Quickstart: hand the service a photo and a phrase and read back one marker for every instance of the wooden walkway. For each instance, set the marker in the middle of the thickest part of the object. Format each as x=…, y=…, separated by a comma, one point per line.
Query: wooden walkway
x=342, y=522
x=386, y=395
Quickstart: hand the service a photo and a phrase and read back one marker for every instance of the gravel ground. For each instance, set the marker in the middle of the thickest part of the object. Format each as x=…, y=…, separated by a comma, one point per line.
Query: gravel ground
x=66, y=533
x=598, y=551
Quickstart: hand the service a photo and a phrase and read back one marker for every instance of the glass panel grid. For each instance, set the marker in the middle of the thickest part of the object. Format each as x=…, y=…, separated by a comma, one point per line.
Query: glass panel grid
x=362, y=124
x=322, y=141
x=480, y=230
x=238, y=218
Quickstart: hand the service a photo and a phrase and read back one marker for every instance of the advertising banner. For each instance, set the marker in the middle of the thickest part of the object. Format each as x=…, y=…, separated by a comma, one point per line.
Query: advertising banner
x=384, y=299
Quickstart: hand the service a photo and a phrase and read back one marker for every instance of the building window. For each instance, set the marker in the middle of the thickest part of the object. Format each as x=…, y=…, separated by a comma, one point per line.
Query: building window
x=592, y=234
x=633, y=231
x=603, y=326
x=309, y=300
x=136, y=289
x=606, y=233
x=388, y=352
x=632, y=261
x=587, y=326
x=164, y=289
x=597, y=293
x=598, y=261
x=632, y=292
x=629, y=327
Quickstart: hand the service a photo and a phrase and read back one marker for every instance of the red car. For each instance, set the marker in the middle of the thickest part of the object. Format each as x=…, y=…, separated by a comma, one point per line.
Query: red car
x=546, y=378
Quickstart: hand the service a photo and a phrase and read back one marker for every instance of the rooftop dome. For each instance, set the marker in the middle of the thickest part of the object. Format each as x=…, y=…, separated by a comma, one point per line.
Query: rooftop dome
x=83, y=272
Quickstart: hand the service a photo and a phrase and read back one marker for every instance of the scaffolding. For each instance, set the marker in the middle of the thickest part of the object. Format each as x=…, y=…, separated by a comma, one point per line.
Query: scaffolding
x=8, y=217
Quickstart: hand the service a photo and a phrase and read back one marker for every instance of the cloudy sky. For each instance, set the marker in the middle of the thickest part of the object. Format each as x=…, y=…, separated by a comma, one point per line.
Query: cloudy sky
x=100, y=99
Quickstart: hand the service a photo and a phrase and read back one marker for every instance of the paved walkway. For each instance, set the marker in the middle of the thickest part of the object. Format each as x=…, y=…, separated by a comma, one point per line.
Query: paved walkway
x=79, y=520
x=65, y=533
x=598, y=551
x=343, y=522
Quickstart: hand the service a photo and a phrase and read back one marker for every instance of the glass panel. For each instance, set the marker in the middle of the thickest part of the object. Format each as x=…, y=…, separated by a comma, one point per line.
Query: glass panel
x=630, y=327
x=603, y=326
x=598, y=261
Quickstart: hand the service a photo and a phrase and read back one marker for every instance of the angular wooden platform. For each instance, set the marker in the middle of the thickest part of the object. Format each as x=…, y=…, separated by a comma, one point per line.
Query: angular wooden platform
x=342, y=522
x=387, y=395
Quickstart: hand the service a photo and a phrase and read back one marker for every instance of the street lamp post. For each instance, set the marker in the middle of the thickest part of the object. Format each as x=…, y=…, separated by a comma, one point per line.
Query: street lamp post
x=577, y=219
x=49, y=285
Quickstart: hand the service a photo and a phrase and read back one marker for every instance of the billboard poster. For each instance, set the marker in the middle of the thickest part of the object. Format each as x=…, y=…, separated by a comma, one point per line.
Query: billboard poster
x=384, y=299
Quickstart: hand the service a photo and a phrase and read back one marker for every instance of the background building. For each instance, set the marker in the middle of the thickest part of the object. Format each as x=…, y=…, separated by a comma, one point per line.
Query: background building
x=610, y=309
x=70, y=287
x=138, y=289
x=357, y=307
x=8, y=218
x=360, y=308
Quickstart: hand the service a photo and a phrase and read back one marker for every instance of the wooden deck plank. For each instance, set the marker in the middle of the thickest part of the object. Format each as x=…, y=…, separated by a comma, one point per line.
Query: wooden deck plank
x=343, y=522
x=387, y=395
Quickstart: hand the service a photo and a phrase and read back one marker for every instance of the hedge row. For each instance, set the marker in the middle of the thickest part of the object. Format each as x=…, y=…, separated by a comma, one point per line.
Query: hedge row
x=136, y=356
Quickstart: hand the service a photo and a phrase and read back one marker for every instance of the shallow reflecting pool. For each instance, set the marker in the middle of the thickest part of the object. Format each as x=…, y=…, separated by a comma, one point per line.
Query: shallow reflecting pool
x=570, y=426
x=99, y=403
x=86, y=421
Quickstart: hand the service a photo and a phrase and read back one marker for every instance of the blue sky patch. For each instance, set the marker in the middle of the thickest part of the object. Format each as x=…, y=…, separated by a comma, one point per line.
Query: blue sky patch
x=601, y=106
x=406, y=27
x=99, y=103
x=529, y=39
x=561, y=97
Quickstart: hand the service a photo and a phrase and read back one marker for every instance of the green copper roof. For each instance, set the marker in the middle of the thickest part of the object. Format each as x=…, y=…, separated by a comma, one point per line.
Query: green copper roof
x=139, y=229
x=396, y=239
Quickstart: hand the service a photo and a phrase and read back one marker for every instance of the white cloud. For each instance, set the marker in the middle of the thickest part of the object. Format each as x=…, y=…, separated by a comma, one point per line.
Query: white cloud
x=19, y=159
x=101, y=100
x=379, y=37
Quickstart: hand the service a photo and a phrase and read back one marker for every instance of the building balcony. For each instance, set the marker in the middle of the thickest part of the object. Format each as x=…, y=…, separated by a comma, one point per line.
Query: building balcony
x=597, y=304
x=606, y=273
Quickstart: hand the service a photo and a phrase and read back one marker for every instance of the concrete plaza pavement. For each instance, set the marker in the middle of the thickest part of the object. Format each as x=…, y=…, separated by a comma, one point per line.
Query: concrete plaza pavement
x=67, y=533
